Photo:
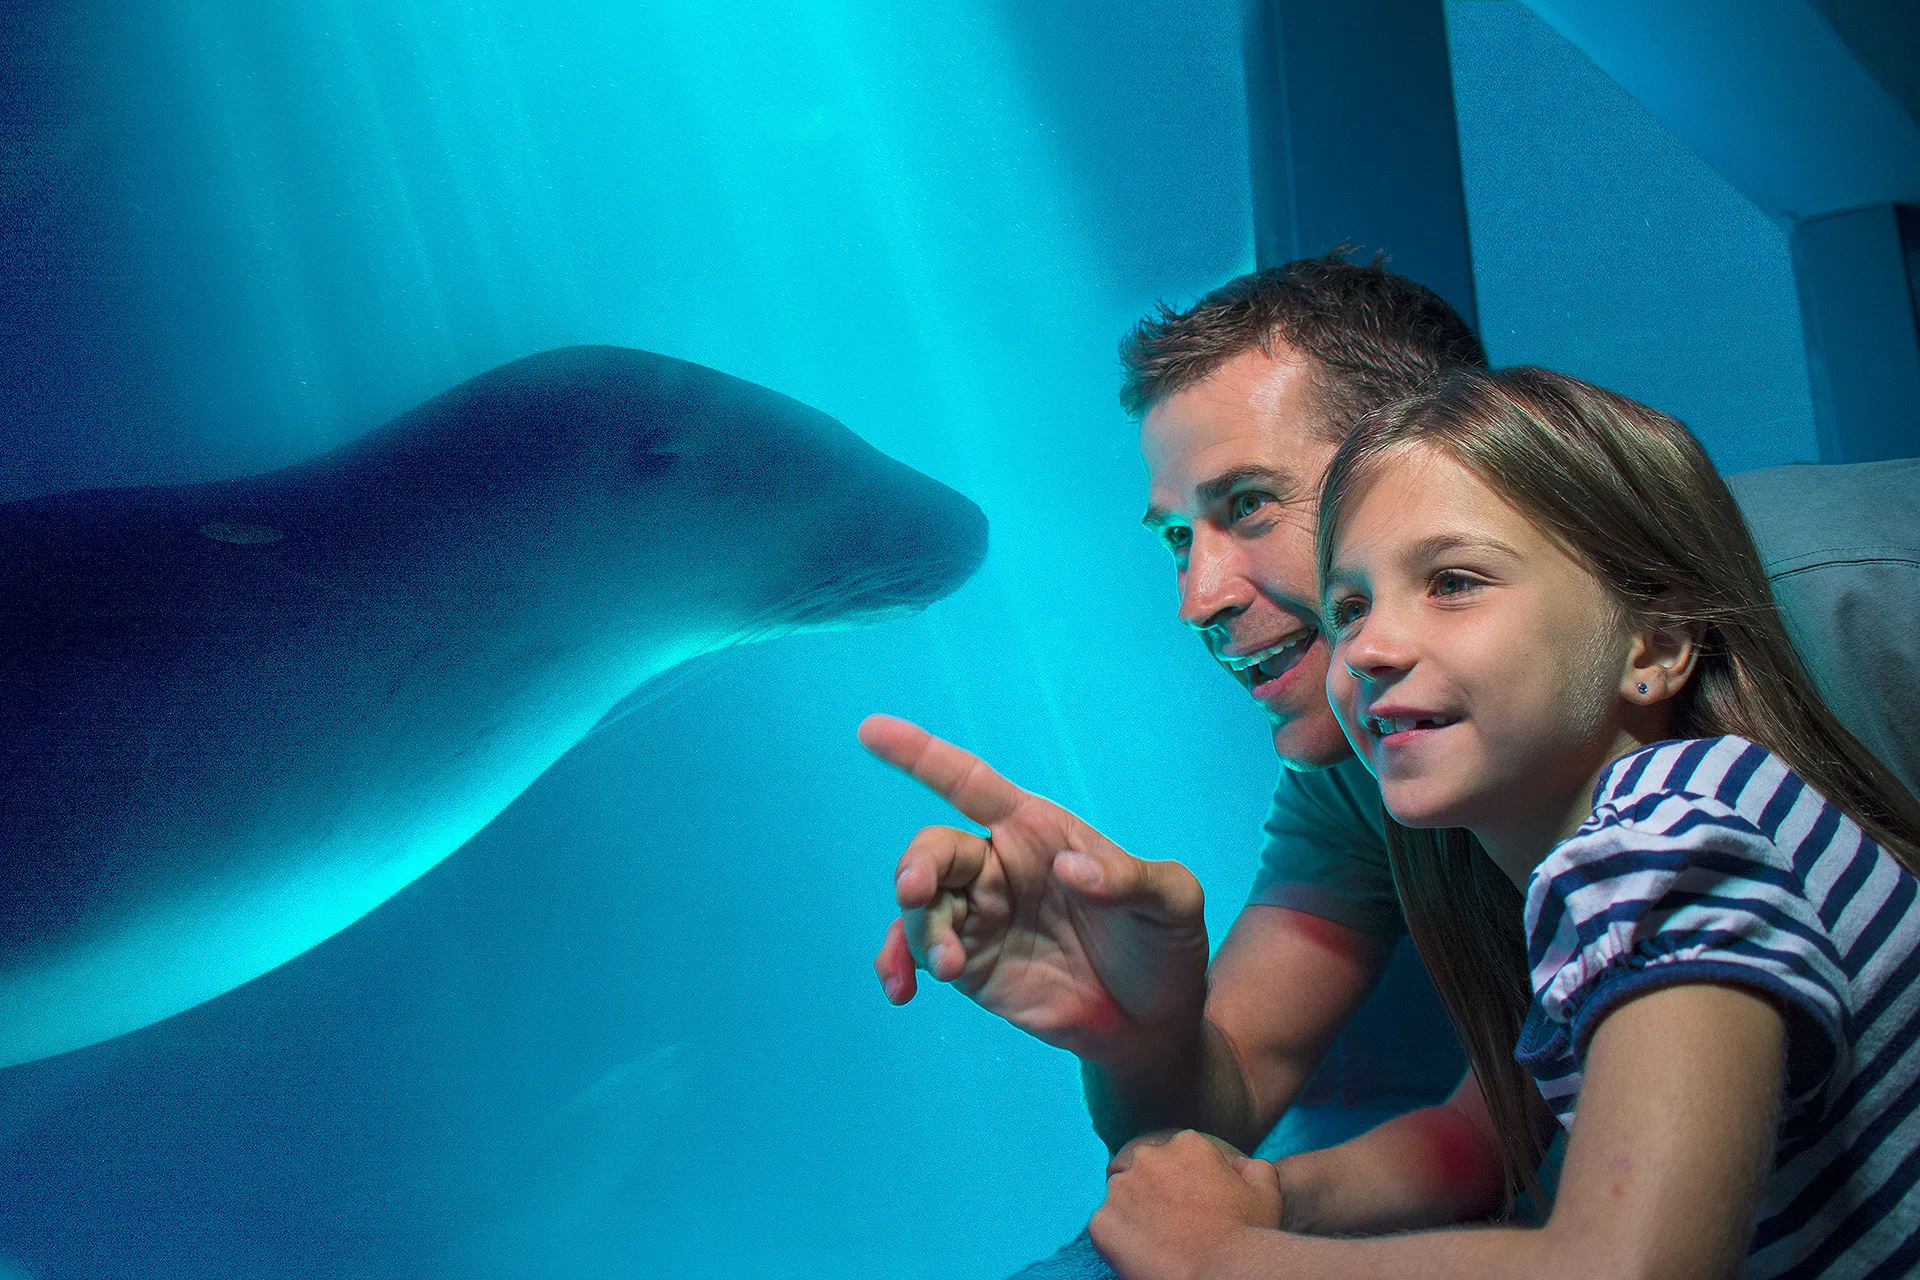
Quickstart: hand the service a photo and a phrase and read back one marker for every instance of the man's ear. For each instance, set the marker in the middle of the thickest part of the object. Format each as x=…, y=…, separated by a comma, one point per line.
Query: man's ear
x=1661, y=662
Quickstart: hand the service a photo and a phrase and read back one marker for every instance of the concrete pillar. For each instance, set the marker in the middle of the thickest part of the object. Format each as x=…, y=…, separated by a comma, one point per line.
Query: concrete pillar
x=1855, y=273
x=1352, y=134
x=1785, y=104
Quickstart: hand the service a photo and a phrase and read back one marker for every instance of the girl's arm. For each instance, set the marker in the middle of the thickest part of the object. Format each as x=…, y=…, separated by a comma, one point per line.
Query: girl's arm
x=1427, y=1168
x=1673, y=1142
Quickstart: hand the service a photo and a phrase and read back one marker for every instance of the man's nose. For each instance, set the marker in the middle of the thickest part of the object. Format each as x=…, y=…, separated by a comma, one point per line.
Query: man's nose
x=1214, y=589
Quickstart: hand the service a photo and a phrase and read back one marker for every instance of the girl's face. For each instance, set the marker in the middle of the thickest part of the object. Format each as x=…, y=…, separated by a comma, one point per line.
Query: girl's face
x=1477, y=668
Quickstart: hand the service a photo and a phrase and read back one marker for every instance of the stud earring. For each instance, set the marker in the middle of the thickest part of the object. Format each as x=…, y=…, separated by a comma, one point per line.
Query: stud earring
x=1643, y=688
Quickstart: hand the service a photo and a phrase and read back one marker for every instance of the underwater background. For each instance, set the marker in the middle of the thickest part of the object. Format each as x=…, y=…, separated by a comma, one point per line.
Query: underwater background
x=631, y=1028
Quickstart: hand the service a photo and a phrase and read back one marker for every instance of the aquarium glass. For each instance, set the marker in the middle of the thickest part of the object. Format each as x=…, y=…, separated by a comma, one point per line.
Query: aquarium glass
x=631, y=1028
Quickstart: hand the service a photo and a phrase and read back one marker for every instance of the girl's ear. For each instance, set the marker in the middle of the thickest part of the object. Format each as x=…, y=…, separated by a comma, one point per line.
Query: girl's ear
x=1661, y=662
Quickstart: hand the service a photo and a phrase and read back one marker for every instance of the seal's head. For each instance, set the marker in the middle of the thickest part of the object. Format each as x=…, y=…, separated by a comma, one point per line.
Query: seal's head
x=777, y=515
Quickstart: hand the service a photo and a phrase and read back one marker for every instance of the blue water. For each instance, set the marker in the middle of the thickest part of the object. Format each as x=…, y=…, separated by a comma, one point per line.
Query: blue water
x=630, y=1029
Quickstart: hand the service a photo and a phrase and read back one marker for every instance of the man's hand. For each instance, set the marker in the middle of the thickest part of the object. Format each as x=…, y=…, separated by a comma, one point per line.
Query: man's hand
x=1173, y=1201
x=1043, y=920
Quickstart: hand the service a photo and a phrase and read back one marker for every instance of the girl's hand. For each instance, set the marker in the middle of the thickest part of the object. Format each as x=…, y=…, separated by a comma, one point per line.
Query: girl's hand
x=1171, y=1205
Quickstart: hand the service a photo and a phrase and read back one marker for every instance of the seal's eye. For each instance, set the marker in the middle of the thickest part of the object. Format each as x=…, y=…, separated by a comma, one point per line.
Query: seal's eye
x=243, y=535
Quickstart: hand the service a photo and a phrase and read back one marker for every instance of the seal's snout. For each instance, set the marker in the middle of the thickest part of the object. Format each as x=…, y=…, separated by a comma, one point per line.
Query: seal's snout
x=894, y=557
x=840, y=534
x=941, y=549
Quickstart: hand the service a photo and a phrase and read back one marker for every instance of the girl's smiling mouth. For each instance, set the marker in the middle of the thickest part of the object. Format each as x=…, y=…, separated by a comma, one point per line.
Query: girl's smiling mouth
x=1400, y=728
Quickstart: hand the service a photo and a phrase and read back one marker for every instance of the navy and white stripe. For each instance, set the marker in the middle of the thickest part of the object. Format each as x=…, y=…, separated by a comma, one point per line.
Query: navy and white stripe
x=1712, y=861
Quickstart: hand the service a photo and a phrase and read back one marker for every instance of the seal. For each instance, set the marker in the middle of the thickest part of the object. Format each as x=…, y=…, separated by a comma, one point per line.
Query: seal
x=235, y=717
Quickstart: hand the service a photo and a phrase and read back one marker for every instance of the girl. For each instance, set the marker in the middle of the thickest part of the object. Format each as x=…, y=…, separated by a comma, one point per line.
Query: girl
x=1555, y=648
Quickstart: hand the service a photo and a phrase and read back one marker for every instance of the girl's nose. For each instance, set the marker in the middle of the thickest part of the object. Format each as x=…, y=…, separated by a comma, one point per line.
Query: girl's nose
x=1378, y=648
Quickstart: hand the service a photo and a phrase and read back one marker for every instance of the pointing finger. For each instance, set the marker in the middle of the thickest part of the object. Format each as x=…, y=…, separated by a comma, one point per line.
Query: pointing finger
x=957, y=776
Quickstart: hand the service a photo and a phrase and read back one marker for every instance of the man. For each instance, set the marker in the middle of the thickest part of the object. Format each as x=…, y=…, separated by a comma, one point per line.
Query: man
x=1243, y=399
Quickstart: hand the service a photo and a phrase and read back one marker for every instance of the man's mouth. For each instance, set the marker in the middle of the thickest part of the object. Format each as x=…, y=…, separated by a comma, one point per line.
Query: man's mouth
x=1386, y=726
x=1256, y=669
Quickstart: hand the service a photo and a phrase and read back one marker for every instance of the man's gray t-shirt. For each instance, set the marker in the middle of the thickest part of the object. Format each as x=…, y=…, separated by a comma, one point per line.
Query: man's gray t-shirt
x=1842, y=547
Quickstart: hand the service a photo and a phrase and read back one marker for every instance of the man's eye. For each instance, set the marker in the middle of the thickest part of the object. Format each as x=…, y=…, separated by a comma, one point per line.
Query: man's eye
x=1245, y=504
x=1177, y=538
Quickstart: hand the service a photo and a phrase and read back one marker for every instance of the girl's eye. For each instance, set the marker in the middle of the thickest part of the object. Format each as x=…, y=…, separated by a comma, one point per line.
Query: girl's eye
x=1346, y=612
x=1243, y=505
x=1451, y=582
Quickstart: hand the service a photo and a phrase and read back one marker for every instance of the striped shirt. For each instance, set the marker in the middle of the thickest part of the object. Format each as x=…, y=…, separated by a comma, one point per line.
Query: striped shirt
x=1712, y=861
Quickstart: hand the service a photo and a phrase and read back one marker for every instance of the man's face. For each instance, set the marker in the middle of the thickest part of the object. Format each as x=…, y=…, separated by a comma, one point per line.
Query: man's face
x=1233, y=472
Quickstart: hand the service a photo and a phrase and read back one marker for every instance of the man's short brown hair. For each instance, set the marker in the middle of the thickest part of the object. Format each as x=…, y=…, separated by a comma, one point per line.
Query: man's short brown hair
x=1373, y=337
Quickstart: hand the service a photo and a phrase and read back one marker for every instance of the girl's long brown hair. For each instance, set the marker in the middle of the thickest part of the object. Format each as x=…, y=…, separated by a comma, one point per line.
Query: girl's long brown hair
x=1631, y=495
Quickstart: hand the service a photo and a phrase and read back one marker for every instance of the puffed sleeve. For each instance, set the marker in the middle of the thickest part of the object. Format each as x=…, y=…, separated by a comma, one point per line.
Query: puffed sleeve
x=1676, y=889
